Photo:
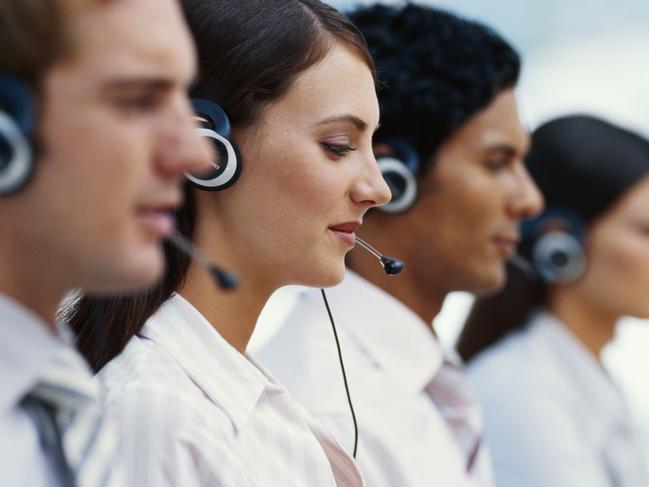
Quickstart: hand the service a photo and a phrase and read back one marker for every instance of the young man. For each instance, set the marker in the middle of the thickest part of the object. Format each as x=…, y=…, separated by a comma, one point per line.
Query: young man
x=451, y=146
x=95, y=133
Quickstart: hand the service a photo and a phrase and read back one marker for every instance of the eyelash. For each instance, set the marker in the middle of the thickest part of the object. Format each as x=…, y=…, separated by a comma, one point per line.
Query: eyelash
x=496, y=165
x=140, y=102
x=338, y=150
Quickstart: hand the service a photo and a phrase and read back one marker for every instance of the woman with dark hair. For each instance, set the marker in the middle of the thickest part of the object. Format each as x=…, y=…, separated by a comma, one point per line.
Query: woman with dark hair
x=553, y=415
x=297, y=82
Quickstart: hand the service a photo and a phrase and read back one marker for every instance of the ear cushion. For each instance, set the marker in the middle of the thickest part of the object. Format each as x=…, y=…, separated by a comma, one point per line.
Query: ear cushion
x=227, y=168
x=559, y=257
x=402, y=183
x=554, y=243
x=400, y=173
x=16, y=118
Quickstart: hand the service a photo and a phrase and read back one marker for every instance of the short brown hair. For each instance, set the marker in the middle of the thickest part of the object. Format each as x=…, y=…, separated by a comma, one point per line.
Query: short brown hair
x=31, y=36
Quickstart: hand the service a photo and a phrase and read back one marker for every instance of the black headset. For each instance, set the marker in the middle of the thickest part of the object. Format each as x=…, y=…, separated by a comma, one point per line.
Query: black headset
x=400, y=173
x=16, y=124
x=216, y=127
x=555, y=242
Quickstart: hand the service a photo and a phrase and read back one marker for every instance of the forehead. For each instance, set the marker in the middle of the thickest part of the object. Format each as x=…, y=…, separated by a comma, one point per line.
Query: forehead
x=118, y=36
x=635, y=202
x=341, y=83
x=498, y=124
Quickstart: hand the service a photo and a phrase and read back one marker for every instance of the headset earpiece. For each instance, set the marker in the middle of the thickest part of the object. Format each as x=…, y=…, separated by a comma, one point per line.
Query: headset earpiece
x=16, y=120
x=558, y=257
x=217, y=128
x=557, y=251
x=400, y=173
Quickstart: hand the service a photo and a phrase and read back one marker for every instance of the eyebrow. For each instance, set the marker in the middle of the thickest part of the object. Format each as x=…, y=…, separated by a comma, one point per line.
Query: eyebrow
x=151, y=83
x=505, y=149
x=354, y=120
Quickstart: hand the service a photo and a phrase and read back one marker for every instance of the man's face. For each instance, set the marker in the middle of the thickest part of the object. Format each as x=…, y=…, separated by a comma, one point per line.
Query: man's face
x=116, y=134
x=465, y=222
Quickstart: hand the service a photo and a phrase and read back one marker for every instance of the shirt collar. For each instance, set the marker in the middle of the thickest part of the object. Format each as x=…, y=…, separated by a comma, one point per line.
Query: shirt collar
x=590, y=378
x=28, y=348
x=396, y=338
x=226, y=376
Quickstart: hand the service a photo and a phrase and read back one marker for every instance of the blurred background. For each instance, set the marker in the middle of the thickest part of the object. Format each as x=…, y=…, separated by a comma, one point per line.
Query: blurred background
x=583, y=55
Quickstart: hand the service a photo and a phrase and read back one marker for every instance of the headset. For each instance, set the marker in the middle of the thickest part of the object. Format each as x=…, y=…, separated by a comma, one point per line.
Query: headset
x=16, y=125
x=216, y=127
x=556, y=245
x=400, y=173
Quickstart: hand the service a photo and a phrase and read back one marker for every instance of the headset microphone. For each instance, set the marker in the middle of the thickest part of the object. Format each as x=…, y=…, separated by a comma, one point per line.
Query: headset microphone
x=225, y=280
x=390, y=265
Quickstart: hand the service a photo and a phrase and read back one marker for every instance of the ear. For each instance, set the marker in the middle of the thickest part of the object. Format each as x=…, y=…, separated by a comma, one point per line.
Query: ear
x=383, y=149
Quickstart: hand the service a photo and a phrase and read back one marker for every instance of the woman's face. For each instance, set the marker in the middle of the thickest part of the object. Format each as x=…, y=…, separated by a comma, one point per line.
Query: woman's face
x=309, y=176
x=617, y=249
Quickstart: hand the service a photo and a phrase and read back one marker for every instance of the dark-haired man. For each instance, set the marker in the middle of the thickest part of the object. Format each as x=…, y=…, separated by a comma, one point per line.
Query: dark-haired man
x=451, y=146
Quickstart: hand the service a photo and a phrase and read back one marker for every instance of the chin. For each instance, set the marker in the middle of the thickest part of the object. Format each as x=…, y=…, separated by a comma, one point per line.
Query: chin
x=133, y=274
x=489, y=282
x=640, y=314
x=326, y=275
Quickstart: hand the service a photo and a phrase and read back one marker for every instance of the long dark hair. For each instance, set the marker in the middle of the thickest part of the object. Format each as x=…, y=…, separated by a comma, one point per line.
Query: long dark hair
x=250, y=52
x=567, y=155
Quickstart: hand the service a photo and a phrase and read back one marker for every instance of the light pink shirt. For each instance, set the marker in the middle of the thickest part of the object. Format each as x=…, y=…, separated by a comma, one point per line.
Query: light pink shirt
x=196, y=412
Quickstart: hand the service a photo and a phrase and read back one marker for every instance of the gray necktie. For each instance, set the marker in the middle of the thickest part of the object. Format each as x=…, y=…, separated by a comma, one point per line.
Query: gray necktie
x=64, y=407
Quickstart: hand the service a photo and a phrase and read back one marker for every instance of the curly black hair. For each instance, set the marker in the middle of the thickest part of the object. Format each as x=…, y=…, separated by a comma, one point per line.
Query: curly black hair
x=436, y=71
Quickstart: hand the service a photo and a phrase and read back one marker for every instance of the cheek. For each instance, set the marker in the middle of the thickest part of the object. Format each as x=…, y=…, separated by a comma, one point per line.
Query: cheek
x=618, y=273
x=295, y=188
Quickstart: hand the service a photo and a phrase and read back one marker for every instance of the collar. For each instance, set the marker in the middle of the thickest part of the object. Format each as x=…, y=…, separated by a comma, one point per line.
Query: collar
x=29, y=351
x=228, y=378
x=588, y=377
x=395, y=338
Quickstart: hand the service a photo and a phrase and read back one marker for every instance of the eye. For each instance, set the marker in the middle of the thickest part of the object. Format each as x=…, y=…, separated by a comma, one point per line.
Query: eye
x=138, y=102
x=337, y=149
x=496, y=165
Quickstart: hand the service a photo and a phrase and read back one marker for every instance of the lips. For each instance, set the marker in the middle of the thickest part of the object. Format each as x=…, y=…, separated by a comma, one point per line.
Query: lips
x=158, y=219
x=345, y=232
x=506, y=244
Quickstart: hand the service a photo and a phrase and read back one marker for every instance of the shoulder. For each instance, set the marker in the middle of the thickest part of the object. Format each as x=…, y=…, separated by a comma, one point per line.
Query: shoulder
x=143, y=366
x=171, y=436
x=519, y=382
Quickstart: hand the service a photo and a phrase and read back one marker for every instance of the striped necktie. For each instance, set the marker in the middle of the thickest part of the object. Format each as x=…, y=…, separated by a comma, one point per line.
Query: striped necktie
x=451, y=392
x=78, y=445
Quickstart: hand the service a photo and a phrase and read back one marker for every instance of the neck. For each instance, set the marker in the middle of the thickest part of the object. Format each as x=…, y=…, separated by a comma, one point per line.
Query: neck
x=233, y=313
x=594, y=327
x=425, y=301
x=29, y=283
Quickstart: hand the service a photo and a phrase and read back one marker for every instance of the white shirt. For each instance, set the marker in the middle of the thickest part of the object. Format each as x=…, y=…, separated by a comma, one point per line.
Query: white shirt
x=553, y=417
x=390, y=356
x=28, y=352
x=196, y=412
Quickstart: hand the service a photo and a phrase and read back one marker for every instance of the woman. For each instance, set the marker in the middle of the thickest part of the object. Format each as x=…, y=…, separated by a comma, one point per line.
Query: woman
x=297, y=81
x=553, y=416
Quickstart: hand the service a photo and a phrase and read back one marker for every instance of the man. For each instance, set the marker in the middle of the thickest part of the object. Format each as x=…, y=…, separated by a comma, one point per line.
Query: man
x=95, y=133
x=451, y=146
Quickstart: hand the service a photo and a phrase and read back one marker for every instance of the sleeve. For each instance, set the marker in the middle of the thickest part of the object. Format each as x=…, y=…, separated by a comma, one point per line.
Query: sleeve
x=535, y=439
x=165, y=442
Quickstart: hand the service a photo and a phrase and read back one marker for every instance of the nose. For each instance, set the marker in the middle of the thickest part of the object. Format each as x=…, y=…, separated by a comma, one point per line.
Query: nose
x=184, y=149
x=526, y=200
x=371, y=189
